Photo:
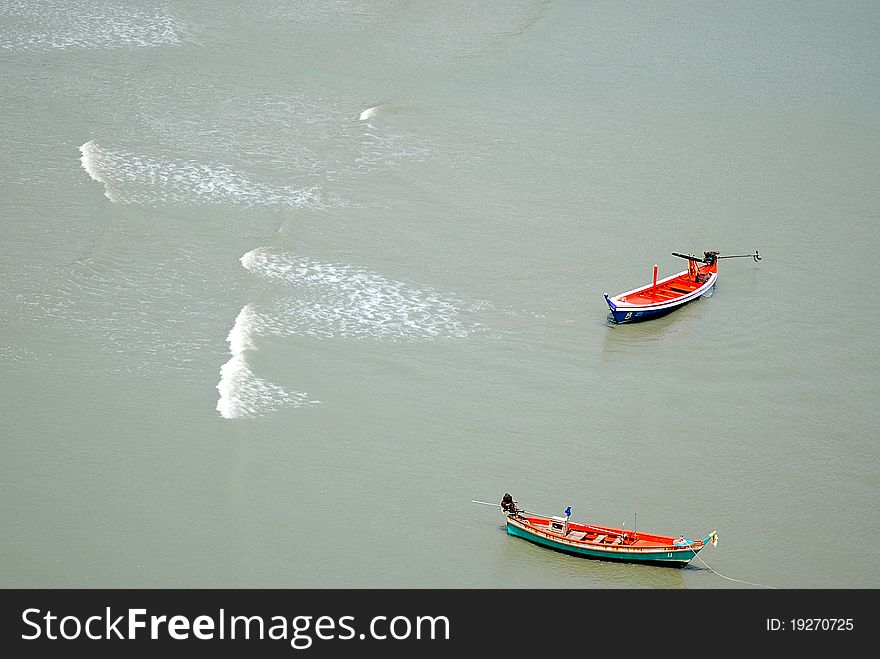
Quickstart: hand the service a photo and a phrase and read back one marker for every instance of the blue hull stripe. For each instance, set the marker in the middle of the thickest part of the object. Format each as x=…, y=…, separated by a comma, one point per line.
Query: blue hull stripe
x=634, y=314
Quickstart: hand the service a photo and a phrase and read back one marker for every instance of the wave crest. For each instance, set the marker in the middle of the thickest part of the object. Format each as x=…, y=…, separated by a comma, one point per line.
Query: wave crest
x=130, y=178
x=339, y=300
x=242, y=393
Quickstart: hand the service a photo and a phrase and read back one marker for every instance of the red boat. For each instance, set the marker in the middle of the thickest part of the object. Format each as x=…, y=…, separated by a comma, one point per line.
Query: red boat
x=660, y=297
x=601, y=542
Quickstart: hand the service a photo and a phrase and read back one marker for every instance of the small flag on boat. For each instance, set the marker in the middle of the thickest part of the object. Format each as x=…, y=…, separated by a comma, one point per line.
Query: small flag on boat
x=568, y=512
x=714, y=537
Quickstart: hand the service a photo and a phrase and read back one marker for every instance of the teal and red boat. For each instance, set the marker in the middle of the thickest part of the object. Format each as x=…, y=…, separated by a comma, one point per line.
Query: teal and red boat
x=660, y=297
x=601, y=542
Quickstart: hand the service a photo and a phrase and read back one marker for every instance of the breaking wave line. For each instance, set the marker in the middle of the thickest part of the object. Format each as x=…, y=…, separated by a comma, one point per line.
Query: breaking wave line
x=132, y=179
x=339, y=300
x=242, y=393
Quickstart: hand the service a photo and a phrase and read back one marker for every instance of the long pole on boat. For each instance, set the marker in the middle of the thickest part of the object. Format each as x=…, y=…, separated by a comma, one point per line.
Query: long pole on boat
x=568, y=515
x=655, y=276
x=635, y=522
x=755, y=256
x=691, y=257
x=498, y=505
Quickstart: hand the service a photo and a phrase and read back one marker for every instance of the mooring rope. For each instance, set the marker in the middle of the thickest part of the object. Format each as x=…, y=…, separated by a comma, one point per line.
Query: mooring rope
x=752, y=583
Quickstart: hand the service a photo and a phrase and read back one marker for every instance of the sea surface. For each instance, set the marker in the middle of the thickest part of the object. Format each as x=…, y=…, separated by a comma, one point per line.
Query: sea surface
x=286, y=286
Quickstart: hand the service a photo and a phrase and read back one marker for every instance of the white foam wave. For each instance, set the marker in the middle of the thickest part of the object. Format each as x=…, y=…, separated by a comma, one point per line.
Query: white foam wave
x=369, y=113
x=243, y=394
x=74, y=24
x=133, y=179
x=339, y=300
x=91, y=162
x=240, y=337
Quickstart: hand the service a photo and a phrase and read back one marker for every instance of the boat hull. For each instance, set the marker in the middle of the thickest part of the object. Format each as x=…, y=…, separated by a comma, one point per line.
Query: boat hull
x=636, y=315
x=668, y=557
x=623, y=311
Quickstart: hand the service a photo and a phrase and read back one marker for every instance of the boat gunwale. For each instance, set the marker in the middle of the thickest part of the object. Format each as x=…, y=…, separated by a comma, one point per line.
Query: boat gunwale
x=525, y=525
x=616, y=303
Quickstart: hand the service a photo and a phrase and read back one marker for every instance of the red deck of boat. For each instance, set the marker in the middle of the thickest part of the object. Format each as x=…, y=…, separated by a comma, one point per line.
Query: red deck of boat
x=605, y=536
x=670, y=290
